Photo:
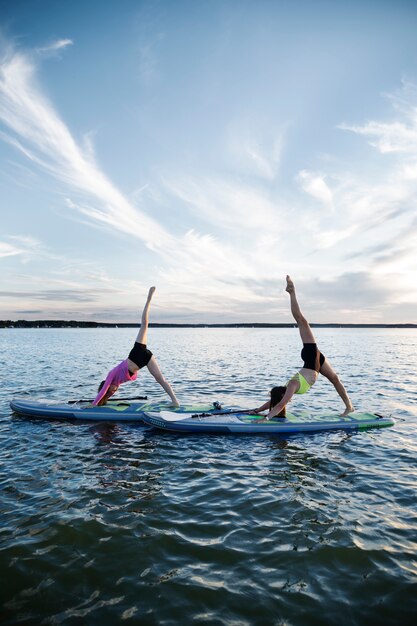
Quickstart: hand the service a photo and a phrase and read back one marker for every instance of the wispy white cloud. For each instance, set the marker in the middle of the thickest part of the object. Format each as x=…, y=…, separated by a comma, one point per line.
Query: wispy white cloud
x=54, y=47
x=315, y=185
x=330, y=238
x=42, y=137
x=398, y=135
x=7, y=249
x=255, y=151
x=227, y=204
x=26, y=240
x=381, y=199
x=388, y=137
x=21, y=245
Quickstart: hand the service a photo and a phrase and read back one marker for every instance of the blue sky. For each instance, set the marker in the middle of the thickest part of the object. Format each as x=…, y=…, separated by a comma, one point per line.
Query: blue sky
x=208, y=148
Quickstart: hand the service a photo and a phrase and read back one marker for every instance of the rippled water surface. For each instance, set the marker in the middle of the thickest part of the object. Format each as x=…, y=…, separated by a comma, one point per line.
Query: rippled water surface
x=107, y=524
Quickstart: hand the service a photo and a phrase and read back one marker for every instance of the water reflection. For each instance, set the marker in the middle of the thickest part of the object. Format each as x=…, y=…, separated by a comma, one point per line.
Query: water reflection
x=106, y=433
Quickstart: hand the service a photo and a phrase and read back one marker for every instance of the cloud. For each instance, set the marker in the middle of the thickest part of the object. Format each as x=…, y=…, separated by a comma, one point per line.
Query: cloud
x=228, y=205
x=378, y=200
x=54, y=295
x=54, y=47
x=349, y=297
x=26, y=240
x=68, y=286
x=44, y=139
x=397, y=136
x=388, y=137
x=255, y=150
x=6, y=249
x=368, y=252
x=316, y=186
x=329, y=238
x=401, y=249
x=22, y=245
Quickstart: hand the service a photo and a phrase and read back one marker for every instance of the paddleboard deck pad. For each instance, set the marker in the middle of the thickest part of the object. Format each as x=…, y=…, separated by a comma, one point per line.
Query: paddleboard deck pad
x=250, y=424
x=113, y=411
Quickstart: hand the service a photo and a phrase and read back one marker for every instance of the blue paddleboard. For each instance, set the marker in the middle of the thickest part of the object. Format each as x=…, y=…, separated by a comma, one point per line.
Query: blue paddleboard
x=114, y=410
x=250, y=424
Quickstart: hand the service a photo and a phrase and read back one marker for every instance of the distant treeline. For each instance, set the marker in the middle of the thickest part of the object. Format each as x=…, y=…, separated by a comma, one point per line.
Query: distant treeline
x=74, y=324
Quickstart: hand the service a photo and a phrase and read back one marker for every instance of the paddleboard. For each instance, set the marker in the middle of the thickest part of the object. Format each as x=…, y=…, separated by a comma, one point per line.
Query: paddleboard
x=250, y=424
x=113, y=411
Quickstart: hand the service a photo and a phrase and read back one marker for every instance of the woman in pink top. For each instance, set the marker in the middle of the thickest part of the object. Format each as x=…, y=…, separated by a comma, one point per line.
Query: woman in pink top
x=138, y=357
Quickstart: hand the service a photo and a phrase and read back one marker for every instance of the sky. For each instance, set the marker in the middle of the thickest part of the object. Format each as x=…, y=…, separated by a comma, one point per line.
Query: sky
x=209, y=148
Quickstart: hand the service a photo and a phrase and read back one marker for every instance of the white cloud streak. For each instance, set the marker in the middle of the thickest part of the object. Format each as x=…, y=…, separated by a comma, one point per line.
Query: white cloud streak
x=54, y=47
x=227, y=205
x=44, y=138
x=362, y=205
x=6, y=249
x=22, y=245
x=256, y=150
x=397, y=136
x=388, y=137
x=316, y=186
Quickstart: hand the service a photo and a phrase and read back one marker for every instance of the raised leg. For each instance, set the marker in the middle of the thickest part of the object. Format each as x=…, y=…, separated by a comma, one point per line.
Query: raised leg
x=303, y=326
x=143, y=331
x=327, y=371
x=153, y=367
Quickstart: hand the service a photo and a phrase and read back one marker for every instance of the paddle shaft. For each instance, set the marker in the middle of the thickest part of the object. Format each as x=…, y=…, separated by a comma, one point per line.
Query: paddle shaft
x=226, y=412
x=116, y=399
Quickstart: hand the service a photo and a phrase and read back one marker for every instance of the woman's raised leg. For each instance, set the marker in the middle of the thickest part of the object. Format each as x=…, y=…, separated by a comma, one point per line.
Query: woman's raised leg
x=303, y=326
x=143, y=331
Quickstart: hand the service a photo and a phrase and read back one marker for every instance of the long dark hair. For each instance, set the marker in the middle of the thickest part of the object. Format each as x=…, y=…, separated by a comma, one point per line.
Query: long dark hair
x=277, y=393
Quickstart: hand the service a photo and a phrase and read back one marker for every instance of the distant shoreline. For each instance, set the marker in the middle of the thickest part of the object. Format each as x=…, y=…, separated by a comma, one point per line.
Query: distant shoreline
x=75, y=324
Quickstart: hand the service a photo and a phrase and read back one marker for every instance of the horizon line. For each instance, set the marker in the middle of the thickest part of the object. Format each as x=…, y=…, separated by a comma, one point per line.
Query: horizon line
x=44, y=323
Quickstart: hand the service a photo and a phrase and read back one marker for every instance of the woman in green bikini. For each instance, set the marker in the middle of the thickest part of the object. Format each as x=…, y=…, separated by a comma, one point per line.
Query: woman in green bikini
x=314, y=364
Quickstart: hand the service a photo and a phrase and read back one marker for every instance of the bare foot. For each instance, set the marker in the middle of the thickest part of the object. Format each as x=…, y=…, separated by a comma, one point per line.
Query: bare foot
x=290, y=285
x=348, y=410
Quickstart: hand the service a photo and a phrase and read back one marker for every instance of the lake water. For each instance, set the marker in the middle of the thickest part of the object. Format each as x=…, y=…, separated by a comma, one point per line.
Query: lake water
x=120, y=524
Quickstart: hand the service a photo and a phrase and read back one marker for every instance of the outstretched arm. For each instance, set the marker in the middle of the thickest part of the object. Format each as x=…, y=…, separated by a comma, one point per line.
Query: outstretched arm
x=263, y=407
x=292, y=388
x=101, y=400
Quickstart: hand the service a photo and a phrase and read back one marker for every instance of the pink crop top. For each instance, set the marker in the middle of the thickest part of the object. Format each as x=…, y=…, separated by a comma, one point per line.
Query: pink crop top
x=118, y=375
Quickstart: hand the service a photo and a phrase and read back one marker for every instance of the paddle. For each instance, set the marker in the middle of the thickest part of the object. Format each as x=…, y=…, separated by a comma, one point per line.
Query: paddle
x=225, y=412
x=116, y=399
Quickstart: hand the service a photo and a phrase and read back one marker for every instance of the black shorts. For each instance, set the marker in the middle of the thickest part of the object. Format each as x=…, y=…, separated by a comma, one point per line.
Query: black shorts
x=140, y=355
x=312, y=357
